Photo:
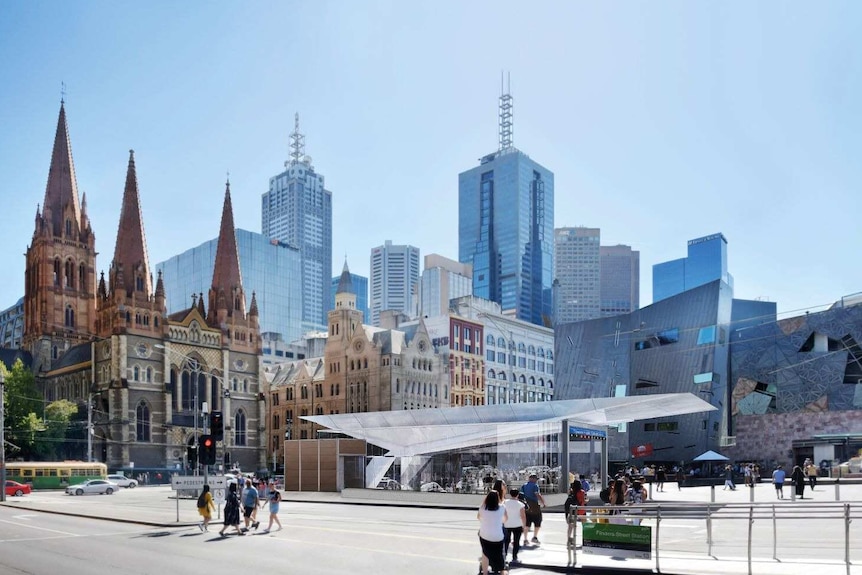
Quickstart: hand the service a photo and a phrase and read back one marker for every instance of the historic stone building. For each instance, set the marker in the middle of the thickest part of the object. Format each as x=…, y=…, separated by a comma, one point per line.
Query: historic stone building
x=112, y=347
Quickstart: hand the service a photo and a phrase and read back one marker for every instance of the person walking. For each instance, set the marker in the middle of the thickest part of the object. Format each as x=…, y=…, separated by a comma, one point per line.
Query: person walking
x=516, y=522
x=205, y=507
x=274, y=503
x=798, y=478
x=811, y=471
x=778, y=477
x=577, y=498
x=231, y=511
x=728, y=478
x=534, y=500
x=492, y=516
x=660, y=478
x=250, y=504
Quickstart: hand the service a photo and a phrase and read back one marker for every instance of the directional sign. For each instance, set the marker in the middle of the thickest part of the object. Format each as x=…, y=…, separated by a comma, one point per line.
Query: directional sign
x=197, y=482
x=218, y=496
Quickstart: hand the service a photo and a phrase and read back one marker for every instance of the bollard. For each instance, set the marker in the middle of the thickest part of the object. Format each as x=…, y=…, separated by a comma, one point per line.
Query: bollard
x=712, y=493
x=751, y=494
x=793, y=491
x=650, y=490
x=837, y=489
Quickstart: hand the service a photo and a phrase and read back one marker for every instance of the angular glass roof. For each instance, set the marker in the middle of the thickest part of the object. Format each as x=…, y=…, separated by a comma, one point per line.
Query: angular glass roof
x=424, y=431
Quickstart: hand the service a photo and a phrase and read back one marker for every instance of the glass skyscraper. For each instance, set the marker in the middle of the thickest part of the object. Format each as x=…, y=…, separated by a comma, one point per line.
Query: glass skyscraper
x=706, y=262
x=620, y=282
x=394, y=273
x=360, y=288
x=506, y=230
x=269, y=268
x=578, y=274
x=297, y=210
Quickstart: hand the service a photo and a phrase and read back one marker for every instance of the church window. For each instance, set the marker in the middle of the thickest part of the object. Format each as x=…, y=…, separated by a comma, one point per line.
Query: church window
x=70, y=317
x=139, y=283
x=239, y=430
x=82, y=277
x=142, y=425
x=68, y=227
x=56, y=272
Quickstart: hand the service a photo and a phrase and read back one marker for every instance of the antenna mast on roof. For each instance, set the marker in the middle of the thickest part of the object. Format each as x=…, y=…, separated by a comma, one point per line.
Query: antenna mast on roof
x=297, y=143
x=505, y=113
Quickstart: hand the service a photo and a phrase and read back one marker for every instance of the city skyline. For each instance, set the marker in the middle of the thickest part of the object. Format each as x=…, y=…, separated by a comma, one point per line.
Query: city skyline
x=660, y=124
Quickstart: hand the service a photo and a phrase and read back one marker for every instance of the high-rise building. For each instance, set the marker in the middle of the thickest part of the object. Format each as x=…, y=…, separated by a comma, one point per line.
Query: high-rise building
x=394, y=273
x=506, y=228
x=706, y=262
x=270, y=270
x=297, y=210
x=578, y=274
x=360, y=289
x=12, y=326
x=442, y=280
x=620, y=280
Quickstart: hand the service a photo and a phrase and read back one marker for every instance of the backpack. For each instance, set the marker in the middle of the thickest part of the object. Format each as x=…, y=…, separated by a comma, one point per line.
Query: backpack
x=202, y=500
x=605, y=495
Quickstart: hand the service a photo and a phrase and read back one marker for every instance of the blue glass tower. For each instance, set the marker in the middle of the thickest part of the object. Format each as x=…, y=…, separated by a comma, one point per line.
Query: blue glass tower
x=706, y=262
x=360, y=288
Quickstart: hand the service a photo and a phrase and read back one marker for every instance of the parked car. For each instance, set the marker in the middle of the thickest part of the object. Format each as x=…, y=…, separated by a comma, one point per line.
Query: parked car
x=15, y=489
x=388, y=484
x=123, y=481
x=432, y=487
x=93, y=486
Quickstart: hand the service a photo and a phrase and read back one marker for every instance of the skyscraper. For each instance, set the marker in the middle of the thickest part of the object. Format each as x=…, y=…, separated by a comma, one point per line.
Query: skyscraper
x=706, y=262
x=297, y=210
x=506, y=227
x=620, y=279
x=578, y=274
x=442, y=280
x=360, y=289
x=394, y=272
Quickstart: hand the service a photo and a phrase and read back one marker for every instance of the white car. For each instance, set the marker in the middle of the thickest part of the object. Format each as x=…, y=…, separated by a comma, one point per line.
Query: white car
x=432, y=487
x=92, y=486
x=123, y=481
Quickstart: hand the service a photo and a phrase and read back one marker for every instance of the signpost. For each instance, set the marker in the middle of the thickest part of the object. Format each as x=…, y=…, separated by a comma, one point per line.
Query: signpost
x=626, y=541
x=217, y=483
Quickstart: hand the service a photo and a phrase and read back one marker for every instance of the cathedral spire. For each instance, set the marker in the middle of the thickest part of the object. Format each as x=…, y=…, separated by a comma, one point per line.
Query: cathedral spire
x=226, y=296
x=130, y=253
x=345, y=282
x=61, y=193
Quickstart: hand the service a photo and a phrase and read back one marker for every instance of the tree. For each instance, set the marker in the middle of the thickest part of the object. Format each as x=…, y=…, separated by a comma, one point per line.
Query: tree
x=22, y=406
x=53, y=442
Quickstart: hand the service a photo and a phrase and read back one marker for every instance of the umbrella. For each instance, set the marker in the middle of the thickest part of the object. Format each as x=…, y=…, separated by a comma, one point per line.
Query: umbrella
x=710, y=456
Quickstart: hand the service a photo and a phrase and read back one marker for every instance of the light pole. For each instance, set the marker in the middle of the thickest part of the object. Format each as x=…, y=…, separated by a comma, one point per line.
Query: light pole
x=288, y=426
x=2, y=434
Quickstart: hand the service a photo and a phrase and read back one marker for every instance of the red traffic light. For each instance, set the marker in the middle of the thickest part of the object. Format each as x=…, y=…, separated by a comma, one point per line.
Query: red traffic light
x=208, y=442
x=207, y=455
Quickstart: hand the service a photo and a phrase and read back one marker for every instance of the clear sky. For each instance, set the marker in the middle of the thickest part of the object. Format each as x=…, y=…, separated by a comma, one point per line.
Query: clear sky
x=662, y=121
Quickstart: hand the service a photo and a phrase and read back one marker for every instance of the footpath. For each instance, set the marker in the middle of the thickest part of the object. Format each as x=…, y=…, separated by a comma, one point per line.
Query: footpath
x=682, y=548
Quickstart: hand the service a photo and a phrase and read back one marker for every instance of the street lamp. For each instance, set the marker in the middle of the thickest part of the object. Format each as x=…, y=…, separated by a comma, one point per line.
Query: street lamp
x=288, y=426
x=2, y=434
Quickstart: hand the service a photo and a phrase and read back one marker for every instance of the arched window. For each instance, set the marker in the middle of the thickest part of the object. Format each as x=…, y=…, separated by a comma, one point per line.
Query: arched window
x=522, y=379
x=239, y=435
x=541, y=352
x=532, y=380
x=149, y=375
x=82, y=277
x=550, y=354
x=541, y=382
x=69, y=276
x=489, y=340
x=142, y=425
x=551, y=383
x=514, y=377
x=522, y=348
x=304, y=392
x=57, y=271
x=136, y=373
x=491, y=374
x=501, y=342
x=236, y=305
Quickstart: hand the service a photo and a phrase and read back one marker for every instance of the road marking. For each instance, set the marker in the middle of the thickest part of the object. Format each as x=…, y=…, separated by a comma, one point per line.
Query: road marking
x=25, y=517
x=30, y=526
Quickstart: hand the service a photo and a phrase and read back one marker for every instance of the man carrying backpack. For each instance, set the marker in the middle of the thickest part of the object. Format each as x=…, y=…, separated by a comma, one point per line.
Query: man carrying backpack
x=534, y=500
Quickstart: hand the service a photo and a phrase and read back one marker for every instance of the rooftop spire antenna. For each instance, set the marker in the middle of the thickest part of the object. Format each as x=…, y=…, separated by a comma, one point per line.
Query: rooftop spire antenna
x=62, y=92
x=297, y=142
x=506, y=129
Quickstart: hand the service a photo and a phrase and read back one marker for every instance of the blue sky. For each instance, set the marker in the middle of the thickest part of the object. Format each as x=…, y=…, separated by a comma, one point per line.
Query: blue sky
x=662, y=121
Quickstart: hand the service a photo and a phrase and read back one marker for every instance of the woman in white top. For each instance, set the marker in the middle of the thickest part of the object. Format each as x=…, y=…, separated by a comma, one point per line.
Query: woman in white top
x=516, y=522
x=491, y=518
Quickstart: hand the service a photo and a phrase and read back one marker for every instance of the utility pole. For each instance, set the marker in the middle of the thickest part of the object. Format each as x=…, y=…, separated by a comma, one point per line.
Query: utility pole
x=90, y=428
x=204, y=411
x=2, y=435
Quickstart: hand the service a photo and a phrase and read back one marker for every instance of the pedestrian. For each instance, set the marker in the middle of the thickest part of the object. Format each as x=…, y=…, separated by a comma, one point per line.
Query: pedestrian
x=274, y=501
x=636, y=495
x=747, y=474
x=660, y=478
x=798, y=478
x=534, y=500
x=231, y=511
x=778, y=477
x=577, y=498
x=811, y=471
x=516, y=522
x=205, y=507
x=728, y=478
x=492, y=516
x=250, y=504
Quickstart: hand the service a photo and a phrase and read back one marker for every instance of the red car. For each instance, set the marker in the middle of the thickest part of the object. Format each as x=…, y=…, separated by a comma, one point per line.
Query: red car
x=14, y=488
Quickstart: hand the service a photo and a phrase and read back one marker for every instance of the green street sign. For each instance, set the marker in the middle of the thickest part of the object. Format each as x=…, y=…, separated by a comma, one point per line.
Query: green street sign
x=617, y=540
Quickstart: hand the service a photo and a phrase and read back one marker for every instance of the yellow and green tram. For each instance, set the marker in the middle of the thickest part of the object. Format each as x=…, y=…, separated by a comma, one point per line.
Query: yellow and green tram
x=54, y=474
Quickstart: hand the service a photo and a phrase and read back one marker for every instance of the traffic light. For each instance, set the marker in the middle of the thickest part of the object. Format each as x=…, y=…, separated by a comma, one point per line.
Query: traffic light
x=192, y=455
x=217, y=425
x=208, y=450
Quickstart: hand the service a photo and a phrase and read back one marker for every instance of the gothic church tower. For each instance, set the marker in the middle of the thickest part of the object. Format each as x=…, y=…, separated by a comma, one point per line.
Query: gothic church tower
x=59, y=286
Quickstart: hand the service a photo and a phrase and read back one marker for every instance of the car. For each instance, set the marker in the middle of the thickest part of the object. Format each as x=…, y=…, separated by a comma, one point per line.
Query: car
x=387, y=483
x=432, y=487
x=15, y=489
x=93, y=486
x=123, y=481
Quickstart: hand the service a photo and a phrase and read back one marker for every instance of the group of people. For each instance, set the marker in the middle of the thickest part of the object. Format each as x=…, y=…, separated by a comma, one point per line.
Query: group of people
x=506, y=516
x=247, y=502
x=800, y=475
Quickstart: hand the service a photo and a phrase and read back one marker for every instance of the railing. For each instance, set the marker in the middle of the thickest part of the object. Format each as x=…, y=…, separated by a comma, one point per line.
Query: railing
x=713, y=512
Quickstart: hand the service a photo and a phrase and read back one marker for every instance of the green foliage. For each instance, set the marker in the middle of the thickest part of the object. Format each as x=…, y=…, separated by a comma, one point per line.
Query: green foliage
x=23, y=404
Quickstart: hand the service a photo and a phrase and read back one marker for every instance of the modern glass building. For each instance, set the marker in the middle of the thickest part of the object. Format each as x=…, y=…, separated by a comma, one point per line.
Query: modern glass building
x=506, y=230
x=12, y=325
x=706, y=262
x=620, y=280
x=270, y=269
x=360, y=288
x=578, y=274
x=394, y=273
x=442, y=280
x=297, y=210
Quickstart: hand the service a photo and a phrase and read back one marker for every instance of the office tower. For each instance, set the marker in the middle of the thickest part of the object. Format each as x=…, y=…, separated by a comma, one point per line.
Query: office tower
x=620, y=280
x=394, y=272
x=706, y=261
x=578, y=274
x=297, y=210
x=360, y=289
x=506, y=227
x=12, y=325
x=442, y=280
x=270, y=269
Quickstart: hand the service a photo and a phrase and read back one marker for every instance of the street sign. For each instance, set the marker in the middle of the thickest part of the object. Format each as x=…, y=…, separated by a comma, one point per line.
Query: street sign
x=197, y=482
x=627, y=541
x=218, y=496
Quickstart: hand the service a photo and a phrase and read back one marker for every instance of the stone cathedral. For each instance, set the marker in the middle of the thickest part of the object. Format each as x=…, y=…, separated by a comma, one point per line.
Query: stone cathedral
x=109, y=345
